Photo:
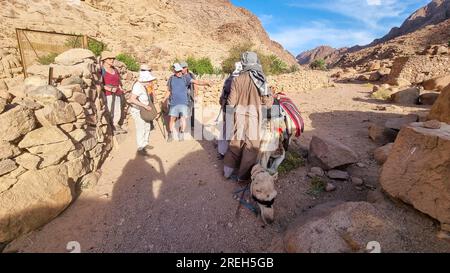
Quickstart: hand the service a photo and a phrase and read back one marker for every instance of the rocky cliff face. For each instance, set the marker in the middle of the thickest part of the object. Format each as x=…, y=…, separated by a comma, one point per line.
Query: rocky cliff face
x=327, y=53
x=434, y=13
x=155, y=31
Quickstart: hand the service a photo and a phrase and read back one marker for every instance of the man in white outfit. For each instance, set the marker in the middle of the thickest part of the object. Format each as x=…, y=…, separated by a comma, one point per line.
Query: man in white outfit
x=140, y=98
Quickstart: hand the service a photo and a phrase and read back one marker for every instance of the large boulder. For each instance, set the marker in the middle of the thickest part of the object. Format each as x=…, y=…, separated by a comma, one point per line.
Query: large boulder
x=381, y=134
x=407, y=96
x=34, y=82
x=37, y=198
x=441, y=108
x=49, y=143
x=437, y=84
x=56, y=113
x=341, y=228
x=45, y=94
x=43, y=136
x=74, y=56
x=16, y=122
x=328, y=153
x=417, y=170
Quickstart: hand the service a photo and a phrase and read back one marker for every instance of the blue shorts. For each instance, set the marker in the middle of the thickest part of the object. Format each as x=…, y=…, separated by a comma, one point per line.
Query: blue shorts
x=177, y=110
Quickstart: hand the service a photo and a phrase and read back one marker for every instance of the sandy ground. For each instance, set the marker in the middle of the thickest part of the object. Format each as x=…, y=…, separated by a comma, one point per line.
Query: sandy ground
x=176, y=200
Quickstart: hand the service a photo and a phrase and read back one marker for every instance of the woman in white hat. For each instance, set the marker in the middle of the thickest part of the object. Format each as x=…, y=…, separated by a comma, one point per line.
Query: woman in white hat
x=139, y=98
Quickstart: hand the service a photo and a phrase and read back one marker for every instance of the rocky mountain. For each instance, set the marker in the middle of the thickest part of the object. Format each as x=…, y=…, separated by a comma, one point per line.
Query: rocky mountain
x=426, y=26
x=155, y=31
x=434, y=13
x=327, y=53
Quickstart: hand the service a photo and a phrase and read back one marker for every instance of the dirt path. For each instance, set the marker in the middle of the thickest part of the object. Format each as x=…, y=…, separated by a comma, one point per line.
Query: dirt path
x=177, y=201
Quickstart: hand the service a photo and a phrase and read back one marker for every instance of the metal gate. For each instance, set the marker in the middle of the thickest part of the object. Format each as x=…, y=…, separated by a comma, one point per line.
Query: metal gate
x=41, y=47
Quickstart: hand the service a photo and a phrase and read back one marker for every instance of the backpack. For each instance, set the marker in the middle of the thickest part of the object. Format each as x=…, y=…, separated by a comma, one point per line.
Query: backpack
x=294, y=121
x=144, y=113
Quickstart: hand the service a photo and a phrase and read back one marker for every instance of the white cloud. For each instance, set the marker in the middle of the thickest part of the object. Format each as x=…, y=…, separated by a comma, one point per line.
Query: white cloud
x=299, y=39
x=374, y=2
x=370, y=12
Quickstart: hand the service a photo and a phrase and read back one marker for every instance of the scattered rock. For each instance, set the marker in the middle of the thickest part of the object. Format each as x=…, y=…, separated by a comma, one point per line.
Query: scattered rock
x=417, y=171
x=77, y=108
x=357, y=181
x=381, y=154
x=380, y=134
x=428, y=98
x=337, y=174
x=407, y=96
x=317, y=171
x=329, y=154
x=74, y=56
x=398, y=123
x=341, y=227
x=16, y=122
x=330, y=187
x=432, y=124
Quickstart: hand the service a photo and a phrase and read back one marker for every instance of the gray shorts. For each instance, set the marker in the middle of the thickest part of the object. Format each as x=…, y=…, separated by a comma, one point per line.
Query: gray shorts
x=177, y=110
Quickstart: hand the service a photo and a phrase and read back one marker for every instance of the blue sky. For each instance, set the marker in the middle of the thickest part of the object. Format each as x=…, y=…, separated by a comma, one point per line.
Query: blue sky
x=301, y=25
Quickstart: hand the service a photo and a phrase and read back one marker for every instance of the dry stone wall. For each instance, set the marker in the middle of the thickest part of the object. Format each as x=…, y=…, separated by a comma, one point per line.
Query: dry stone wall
x=53, y=138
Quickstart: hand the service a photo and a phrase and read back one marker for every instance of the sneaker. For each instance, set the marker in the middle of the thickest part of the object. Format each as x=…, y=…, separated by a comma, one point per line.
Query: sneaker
x=148, y=147
x=181, y=137
x=142, y=152
x=170, y=138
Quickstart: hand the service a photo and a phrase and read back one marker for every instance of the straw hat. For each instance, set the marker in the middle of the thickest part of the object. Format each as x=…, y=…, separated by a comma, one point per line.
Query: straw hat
x=107, y=55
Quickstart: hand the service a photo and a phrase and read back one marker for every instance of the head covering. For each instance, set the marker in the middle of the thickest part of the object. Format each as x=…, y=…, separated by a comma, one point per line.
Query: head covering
x=237, y=68
x=184, y=64
x=251, y=64
x=177, y=67
x=146, y=76
x=145, y=67
x=107, y=55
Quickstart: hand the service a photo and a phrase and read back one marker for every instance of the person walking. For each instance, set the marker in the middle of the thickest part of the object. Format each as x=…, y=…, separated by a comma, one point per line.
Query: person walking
x=177, y=95
x=249, y=94
x=140, y=98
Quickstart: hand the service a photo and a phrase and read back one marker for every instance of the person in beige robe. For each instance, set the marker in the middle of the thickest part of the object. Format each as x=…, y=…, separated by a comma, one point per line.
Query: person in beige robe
x=246, y=101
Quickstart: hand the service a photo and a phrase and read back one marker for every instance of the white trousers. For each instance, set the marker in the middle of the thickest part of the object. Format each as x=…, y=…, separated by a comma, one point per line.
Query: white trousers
x=142, y=130
x=117, y=108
